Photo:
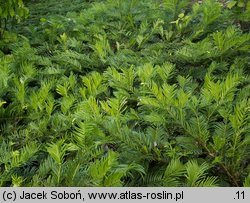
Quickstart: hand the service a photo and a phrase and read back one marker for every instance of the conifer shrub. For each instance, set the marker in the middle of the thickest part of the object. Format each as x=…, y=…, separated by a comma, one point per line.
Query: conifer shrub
x=127, y=93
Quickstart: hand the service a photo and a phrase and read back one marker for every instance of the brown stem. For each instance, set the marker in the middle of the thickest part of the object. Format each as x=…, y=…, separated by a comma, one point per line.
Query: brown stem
x=229, y=174
x=211, y=154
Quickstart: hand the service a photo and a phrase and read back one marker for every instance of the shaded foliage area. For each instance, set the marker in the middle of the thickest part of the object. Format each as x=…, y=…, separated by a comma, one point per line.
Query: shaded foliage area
x=126, y=93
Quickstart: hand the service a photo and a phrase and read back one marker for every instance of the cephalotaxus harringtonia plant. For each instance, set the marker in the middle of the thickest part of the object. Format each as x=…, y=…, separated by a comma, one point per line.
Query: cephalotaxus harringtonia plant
x=212, y=118
x=125, y=93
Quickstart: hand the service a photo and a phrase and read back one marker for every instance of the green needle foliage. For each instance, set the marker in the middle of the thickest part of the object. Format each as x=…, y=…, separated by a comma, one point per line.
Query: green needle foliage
x=126, y=93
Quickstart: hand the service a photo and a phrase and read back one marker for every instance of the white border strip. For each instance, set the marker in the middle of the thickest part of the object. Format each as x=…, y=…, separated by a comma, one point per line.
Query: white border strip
x=125, y=194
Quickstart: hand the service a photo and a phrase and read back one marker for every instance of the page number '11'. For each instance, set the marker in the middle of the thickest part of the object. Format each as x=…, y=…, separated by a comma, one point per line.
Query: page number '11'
x=240, y=195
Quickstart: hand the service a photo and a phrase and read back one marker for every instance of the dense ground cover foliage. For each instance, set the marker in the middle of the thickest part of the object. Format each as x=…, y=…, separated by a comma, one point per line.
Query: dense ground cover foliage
x=126, y=93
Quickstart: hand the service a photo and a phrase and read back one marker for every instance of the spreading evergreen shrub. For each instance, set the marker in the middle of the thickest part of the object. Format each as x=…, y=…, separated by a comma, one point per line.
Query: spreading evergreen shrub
x=127, y=93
